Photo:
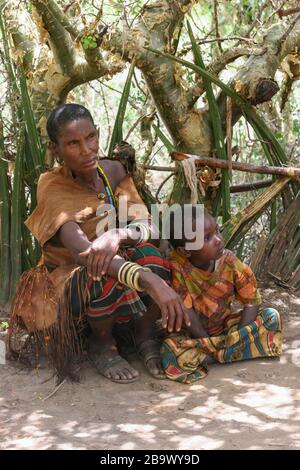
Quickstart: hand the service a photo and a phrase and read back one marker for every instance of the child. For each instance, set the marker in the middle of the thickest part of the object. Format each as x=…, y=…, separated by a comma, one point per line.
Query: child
x=208, y=280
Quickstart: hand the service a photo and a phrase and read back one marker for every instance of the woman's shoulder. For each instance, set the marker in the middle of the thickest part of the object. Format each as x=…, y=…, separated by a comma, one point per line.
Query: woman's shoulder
x=54, y=179
x=54, y=173
x=114, y=169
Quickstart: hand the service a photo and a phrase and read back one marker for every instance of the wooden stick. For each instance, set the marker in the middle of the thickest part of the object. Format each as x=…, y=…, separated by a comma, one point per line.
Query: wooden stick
x=161, y=168
x=241, y=188
x=291, y=172
x=229, y=134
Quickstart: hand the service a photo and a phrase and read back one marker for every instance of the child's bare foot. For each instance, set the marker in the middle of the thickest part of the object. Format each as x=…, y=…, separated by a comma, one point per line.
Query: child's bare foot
x=149, y=352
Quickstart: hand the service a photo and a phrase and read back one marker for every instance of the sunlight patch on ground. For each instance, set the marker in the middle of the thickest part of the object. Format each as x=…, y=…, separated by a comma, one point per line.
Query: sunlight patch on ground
x=197, y=442
x=215, y=409
x=272, y=400
x=128, y=446
x=136, y=428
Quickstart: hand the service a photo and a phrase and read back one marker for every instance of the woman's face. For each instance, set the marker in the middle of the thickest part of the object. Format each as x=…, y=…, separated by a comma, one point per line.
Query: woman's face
x=78, y=144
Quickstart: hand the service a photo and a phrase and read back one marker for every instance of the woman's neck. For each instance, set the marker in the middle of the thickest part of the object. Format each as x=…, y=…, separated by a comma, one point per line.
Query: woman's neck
x=91, y=179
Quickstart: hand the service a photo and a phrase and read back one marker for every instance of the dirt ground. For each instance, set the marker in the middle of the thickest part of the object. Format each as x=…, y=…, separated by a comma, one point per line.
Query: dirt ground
x=246, y=405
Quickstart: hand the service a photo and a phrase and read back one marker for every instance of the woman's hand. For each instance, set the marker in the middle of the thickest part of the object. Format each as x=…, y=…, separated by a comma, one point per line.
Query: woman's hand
x=101, y=252
x=173, y=311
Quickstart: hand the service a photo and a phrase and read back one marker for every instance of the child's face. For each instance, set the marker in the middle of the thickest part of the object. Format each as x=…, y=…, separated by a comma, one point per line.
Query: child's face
x=213, y=246
x=78, y=145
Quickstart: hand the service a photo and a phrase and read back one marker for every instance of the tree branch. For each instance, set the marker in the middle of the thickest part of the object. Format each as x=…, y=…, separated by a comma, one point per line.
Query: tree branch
x=216, y=67
x=290, y=11
x=63, y=19
x=156, y=28
x=61, y=43
x=255, y=80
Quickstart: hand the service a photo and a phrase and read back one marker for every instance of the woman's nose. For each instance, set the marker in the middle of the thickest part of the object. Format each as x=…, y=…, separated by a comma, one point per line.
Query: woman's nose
x=85, y=149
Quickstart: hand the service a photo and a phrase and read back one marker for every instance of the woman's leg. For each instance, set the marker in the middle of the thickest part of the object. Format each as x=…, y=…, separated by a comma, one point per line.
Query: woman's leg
x=146, y=341
x=147, y=345
x=99, y=309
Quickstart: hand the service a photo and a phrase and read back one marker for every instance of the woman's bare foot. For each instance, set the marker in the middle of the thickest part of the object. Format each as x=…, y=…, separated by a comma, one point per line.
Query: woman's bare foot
x=110, y=364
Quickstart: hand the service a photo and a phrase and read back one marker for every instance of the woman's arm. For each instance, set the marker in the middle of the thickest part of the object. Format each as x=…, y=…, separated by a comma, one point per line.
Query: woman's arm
x=173, y=311
x=72, y=237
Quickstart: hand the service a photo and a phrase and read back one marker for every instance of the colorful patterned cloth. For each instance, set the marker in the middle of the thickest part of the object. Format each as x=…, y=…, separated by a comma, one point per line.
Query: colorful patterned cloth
x=211, y=295
x=183, y=358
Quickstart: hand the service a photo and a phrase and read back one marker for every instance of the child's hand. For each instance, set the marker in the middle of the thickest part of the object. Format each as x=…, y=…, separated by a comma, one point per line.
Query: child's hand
x=196, y=330
x=249, y=314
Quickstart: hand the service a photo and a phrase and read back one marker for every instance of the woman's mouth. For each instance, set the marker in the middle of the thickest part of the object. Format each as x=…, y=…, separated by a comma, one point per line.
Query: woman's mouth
x=90, y=162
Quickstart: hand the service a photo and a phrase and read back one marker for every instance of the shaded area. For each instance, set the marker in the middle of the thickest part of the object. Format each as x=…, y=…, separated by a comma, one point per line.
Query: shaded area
x=247, y=405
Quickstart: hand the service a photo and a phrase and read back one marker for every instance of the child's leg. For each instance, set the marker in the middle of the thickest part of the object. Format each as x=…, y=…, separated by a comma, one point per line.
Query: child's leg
x=183, y=358
x=261, y=338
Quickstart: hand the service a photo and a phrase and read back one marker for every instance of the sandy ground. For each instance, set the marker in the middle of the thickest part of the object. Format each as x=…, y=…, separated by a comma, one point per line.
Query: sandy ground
x=247, y=405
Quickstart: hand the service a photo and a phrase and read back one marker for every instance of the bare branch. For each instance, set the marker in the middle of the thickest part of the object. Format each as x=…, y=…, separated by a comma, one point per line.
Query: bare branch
x=63, y=19
x=216, y=19
x=216, y=67
x=290, y=11
x=58, y=36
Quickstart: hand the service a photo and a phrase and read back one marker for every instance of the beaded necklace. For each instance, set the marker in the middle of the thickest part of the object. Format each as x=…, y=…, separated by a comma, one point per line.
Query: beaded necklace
x=107, y=186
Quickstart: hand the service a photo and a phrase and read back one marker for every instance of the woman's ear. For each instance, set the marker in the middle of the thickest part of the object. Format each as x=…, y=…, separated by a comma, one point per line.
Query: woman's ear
x=182, y=251
x=52, y=146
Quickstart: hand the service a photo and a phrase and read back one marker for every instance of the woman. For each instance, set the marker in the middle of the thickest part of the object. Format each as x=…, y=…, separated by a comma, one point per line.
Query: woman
x=105, y=277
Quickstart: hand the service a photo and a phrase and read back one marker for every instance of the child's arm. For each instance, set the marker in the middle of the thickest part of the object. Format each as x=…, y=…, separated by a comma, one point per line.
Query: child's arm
x=196, y=330
x=249, y=314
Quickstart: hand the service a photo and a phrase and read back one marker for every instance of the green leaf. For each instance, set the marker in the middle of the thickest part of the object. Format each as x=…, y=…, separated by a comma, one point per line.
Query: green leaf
x=117, y=133
x=167, y=143
x=216, y=123
x=89, y=42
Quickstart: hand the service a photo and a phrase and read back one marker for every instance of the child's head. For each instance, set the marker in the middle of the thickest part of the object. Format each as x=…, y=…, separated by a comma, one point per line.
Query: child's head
x=213, y=244
x=74, y=137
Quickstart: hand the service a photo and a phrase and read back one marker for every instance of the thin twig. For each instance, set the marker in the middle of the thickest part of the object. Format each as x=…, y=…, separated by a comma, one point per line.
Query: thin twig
x=55, y=390
x=134, y=126
x=130, y=101
x=107, y=117
x=162, y=185
x=285, y=35
x=229, y=134
x=217, y=24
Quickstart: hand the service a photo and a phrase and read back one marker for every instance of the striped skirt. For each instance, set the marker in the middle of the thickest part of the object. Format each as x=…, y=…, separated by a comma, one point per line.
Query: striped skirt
x=183, y=357
x=108, y=298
